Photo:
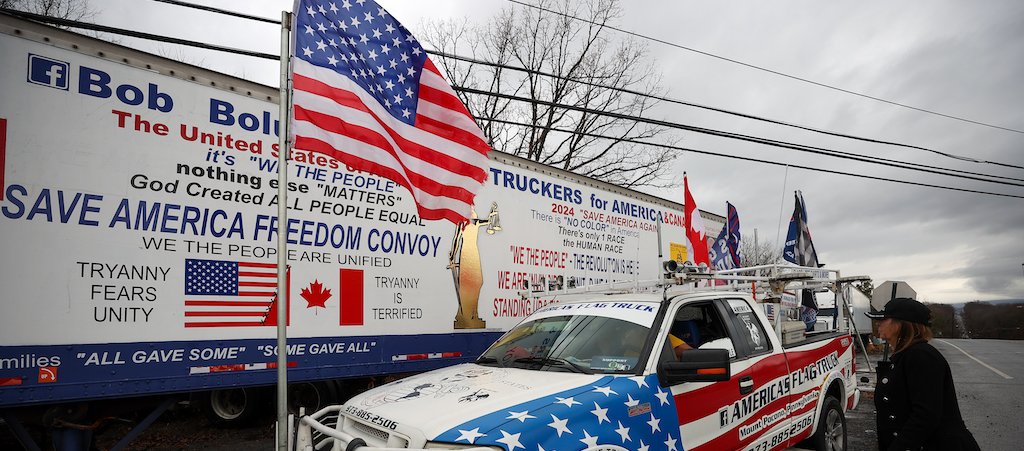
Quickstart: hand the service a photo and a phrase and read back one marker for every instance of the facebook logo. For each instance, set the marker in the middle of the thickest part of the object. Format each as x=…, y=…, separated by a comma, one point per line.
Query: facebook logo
x=48, y=72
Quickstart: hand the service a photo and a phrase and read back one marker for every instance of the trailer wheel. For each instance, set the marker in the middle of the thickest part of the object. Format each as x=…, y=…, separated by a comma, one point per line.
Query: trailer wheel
x=231, y=407
x=831, y=433
x=311, y=395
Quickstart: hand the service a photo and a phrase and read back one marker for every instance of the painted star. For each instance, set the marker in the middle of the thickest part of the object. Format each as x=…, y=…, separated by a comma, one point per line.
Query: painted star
x=624, y=433
x=671, y=443
x=510, y=440
x=632, y=402
x=655, y=424
x=559, y=425
x=567, y=401
x=606, y=390
x=662, y=396
x=643, y=446
x=521, y=416
x=587, y=440
x=640, y=381
x=602, y=414
x=470, y=436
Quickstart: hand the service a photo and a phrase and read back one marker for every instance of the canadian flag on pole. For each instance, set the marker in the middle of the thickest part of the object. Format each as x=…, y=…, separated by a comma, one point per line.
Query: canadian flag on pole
x=696, y=237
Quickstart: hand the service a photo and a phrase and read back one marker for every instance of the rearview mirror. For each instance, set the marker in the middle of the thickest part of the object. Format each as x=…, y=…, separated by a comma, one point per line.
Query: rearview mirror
x=696, y=365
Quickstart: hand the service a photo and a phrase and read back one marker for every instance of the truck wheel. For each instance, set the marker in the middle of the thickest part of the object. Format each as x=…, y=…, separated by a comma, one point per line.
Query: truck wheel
x=311, y=395
x=831, y=434
x=231, y=407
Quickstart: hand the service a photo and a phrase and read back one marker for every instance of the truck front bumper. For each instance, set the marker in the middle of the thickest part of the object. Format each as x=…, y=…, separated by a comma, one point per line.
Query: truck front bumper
x=313, y=435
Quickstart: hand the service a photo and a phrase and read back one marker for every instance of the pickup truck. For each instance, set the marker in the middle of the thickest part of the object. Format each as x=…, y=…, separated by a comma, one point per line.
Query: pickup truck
x=603, y=374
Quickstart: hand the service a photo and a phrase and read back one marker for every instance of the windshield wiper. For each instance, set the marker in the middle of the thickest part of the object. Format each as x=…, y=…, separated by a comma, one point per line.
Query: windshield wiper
x=484, y=360
x=555, y=361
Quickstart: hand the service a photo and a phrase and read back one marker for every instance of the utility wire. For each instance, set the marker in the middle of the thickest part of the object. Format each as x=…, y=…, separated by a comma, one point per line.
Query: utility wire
x=134, y=34
x=219, y=11
x=743, y=115
x=672, y=44
x=475, y=61
x=793, y=146
x=738, y=136
x=754, y=160
x=629, y=91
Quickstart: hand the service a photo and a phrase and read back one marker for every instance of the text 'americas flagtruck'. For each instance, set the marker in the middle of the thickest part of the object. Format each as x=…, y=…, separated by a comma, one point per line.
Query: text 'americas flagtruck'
x=609, y=373
x=138, y=225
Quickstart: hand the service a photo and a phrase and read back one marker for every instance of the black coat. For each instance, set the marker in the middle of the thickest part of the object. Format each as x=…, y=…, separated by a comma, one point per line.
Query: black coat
x=916, y=406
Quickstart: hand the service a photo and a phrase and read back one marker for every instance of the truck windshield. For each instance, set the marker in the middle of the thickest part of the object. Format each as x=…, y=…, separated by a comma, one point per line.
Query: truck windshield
x=575, y=343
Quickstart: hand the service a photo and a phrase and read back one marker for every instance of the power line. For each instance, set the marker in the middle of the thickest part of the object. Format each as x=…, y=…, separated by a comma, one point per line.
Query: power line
x=755, y=160
x=774, y=72
x=738, y=136
x=219, y=11
x=134, y=34
x=782, y=144
x=141, y=35
x=744, y=115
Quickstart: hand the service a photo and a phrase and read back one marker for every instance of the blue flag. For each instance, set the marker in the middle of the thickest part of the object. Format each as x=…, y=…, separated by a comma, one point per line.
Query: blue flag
x=799, y=248
x=725, y=254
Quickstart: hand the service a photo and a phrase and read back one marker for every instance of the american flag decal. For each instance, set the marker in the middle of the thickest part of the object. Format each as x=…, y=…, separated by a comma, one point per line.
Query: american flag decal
x=230, y=294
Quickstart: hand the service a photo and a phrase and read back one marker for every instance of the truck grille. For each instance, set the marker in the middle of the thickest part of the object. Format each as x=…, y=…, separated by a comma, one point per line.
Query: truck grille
x=380, y=434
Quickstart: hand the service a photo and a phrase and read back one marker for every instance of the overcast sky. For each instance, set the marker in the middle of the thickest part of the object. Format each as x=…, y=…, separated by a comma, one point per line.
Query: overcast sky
x=962, y=59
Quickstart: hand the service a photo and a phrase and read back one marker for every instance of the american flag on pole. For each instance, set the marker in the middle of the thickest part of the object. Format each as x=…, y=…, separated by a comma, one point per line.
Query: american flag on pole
x=365, y=93
x=230, y=294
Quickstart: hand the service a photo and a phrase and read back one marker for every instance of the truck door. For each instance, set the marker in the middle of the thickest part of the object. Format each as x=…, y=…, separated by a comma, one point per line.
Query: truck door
x=733, y=414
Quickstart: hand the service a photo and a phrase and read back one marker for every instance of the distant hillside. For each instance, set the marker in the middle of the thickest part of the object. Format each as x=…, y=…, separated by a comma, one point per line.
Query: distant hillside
x=960, y=305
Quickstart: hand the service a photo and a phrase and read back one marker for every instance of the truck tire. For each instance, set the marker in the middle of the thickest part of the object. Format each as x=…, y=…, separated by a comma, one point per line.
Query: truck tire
x=311, y=395
x=831, y=433
x=231, y=407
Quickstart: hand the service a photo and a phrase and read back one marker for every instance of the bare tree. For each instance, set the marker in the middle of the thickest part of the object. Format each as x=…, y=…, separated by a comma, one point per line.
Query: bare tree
x=591, y=74
x=764, y=253
x=64, y=9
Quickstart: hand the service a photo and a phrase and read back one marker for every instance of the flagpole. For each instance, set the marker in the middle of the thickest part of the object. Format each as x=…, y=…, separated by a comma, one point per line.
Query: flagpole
x=282, y=240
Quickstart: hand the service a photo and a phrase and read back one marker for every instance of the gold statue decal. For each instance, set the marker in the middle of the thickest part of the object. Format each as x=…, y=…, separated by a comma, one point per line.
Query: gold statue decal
x=464, y=261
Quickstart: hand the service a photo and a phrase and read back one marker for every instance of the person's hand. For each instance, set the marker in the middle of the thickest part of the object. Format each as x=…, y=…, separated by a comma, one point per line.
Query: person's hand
x=682, y=347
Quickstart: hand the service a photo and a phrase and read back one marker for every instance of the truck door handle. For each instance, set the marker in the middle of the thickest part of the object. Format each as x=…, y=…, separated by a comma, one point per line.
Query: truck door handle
x=746, y=385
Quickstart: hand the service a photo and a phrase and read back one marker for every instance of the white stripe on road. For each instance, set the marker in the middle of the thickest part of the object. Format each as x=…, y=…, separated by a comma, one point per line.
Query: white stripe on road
x=1006, y=376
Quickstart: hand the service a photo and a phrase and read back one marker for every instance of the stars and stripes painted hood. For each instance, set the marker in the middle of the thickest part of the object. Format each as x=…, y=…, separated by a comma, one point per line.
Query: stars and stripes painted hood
x=515, y=408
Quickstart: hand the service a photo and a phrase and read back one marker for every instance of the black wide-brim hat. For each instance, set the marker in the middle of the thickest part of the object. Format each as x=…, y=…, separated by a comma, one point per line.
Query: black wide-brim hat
x=903, y=308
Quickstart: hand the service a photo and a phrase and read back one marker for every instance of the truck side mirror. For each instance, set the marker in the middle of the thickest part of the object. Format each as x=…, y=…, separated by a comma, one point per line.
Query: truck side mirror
x=695, y=365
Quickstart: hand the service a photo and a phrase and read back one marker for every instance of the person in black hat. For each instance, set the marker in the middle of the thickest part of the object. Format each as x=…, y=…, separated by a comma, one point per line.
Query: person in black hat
x=915, y=401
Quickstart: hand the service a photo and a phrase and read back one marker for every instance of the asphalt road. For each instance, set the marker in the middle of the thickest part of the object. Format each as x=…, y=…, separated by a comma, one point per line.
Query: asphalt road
x=989, y=378
x=989, y=375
